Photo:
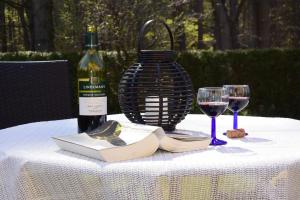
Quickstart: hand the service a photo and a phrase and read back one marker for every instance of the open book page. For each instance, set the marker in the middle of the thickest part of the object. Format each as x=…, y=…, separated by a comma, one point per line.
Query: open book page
x=188, y=135
x=183, y=140
x=176, y=141
x=134, y=141
x=84, y=140
x=132, y=133
x=139, y=141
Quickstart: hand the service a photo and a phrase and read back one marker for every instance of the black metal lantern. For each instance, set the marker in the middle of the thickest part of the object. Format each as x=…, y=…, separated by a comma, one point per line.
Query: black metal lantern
x=156, y=90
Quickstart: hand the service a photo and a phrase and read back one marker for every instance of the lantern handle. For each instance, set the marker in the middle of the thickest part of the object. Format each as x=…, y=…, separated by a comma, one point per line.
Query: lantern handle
x=142, y=32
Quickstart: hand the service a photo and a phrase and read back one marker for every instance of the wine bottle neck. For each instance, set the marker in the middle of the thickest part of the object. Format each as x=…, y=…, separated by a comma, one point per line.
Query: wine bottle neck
x=91, y=40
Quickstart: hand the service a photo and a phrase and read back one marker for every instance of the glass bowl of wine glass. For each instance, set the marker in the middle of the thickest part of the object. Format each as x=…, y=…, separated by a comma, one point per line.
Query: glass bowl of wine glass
x=213, y=101
x=238, y=99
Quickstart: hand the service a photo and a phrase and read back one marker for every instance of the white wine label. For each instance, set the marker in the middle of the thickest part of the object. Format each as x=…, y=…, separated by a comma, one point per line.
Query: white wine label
x=91, y=87
x=92, y=106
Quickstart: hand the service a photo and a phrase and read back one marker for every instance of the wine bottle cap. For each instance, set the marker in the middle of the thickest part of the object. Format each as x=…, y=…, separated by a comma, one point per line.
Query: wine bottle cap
x=91, y=29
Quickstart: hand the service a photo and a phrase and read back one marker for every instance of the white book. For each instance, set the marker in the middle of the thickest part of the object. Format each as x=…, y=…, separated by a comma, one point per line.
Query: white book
x=137, y=141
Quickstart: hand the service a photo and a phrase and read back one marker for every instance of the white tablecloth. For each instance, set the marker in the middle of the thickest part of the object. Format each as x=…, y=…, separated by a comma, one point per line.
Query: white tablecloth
x=264, y=165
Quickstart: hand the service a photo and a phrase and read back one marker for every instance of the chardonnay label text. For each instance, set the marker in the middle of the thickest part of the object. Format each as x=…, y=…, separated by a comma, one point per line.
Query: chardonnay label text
x=92, y=97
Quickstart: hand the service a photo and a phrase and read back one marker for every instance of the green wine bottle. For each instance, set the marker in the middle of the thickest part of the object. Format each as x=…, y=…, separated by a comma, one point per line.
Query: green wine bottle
x=92, y=97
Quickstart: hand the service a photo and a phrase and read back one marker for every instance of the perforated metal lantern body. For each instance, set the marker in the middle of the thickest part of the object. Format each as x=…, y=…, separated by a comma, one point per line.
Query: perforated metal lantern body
x=156, y=90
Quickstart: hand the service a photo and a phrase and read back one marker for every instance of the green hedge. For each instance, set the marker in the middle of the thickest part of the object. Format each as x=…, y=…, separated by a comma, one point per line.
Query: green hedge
x=272, y=74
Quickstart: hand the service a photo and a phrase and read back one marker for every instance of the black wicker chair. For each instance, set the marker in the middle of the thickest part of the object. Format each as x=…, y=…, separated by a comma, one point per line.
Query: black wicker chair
x=35, y=91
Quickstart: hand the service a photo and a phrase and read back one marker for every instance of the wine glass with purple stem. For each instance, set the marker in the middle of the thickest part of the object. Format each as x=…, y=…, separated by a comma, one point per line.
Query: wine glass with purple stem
x=213, y=101
x=238, y=99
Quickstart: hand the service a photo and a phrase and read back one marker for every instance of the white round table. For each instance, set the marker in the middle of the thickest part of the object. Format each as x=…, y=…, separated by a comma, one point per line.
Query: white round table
x=264, y=165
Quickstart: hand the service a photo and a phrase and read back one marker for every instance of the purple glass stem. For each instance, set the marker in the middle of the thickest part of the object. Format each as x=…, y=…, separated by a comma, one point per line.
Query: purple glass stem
x=235, y=120
x=214, y=140
x=213, y=128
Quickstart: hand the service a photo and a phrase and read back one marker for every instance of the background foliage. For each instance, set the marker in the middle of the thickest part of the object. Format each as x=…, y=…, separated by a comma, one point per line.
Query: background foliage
x=59, y=25
x=273, y=75
x=211, y=37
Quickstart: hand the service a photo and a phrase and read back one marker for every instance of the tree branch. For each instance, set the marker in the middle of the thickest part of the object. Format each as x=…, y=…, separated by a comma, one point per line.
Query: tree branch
x=14, y=4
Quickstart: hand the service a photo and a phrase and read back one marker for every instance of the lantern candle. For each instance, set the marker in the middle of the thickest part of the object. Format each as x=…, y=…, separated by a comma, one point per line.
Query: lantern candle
x=152, y=105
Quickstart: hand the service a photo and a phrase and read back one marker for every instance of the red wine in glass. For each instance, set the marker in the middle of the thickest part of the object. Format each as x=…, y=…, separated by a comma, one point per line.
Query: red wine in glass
x=213, y=109
x=237, y=104
x=213, y=101
x=238, y=99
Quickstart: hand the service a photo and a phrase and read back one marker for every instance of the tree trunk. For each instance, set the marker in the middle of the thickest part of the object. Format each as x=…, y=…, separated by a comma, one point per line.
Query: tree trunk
x=78, y=31
x=43, y=25
x=250, y=24
x=3, y=36
x=199, y=10
x=234, y=24
x=217, y=28
x=180, y=37
x=258, y=17
x=221, y=28
x=30, y=15
x=26, y=38
x=295, y=22
x=263, y=23
x=11, y=35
